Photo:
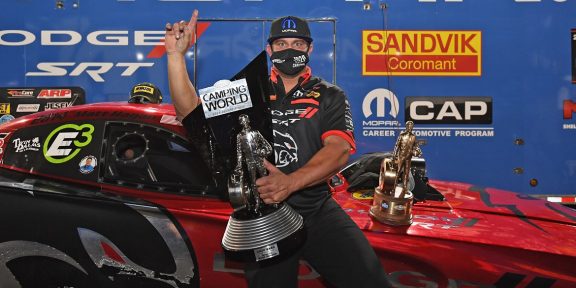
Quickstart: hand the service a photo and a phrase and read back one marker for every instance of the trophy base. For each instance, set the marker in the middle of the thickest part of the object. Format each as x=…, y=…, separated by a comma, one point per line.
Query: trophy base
x=390, y=210
x=276, y=235
x=272, y=253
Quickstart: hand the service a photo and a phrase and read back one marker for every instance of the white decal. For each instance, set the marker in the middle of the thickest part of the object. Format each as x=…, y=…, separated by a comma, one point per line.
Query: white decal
x=380, y=95
x=26, y=145
x=93, y=69
x=225, y=97
x=25, y=108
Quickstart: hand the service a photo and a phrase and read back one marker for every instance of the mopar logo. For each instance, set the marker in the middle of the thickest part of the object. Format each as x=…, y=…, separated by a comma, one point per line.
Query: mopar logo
x=449, y=110
x=288, y=23
x=380, y=96
x=66, y=141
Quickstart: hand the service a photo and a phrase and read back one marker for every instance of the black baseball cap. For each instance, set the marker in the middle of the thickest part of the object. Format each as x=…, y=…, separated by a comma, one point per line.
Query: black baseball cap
x=289, y=27
x=145, y=93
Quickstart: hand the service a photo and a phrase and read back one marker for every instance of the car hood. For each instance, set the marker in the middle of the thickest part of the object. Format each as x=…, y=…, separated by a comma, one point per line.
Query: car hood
x=478, y=215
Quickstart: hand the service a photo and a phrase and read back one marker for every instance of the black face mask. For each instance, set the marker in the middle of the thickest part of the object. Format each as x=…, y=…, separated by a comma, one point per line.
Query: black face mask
x=290, y=61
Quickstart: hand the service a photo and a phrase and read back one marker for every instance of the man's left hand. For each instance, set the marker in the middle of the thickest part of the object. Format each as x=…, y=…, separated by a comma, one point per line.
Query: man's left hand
x=275, y=187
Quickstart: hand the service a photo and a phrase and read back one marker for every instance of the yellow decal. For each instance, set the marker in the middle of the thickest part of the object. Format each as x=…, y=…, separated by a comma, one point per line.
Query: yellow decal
x=313, y=94
x=365, y=195
x=422, y=53
x=4, y=108
x=146, y=89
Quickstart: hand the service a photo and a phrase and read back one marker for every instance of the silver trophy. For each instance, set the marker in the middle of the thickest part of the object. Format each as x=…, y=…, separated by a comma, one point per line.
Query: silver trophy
x=256, y=231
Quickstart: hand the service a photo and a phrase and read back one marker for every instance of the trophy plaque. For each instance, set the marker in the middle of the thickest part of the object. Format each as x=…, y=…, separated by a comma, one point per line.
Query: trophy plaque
x=393, y=197
x=237, y=117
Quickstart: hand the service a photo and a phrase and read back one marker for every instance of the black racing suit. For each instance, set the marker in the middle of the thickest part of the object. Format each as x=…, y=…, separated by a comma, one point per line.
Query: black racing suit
x=335, y=247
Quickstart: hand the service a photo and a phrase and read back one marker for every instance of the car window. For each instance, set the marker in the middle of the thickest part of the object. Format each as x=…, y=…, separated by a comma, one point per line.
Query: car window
x=153, y=158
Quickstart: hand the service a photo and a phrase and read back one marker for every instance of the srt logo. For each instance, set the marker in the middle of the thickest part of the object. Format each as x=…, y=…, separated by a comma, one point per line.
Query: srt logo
x=381, y=95
x=285, y=149
x=301, y=113
x=70, y=38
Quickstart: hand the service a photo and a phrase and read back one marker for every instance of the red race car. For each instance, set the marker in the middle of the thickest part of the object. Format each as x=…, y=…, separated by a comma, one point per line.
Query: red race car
x=117, y=195
x=120, y=195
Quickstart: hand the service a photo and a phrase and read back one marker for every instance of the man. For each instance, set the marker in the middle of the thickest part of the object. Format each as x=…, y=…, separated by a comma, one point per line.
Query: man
x=308, y=150
x=406, y=147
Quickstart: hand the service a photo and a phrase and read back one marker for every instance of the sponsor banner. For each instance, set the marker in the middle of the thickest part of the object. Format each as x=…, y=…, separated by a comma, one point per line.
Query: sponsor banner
x=421, y=53
x=29, y=100
x=449, y=110
x=225, y=97
x=82, y=41
x=381, y=115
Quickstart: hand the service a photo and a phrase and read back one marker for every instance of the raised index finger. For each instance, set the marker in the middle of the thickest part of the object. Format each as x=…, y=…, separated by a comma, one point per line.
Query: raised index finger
x=193, y=20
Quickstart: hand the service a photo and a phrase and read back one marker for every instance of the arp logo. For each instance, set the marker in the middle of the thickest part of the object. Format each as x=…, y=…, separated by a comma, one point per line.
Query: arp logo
x=449, y=110
x=55, y=93
x=381, y=96
x=66, y=141
x=569, y=109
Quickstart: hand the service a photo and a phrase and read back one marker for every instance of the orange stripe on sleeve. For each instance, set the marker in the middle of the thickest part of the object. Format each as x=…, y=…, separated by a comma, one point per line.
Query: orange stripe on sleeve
x=346, y=135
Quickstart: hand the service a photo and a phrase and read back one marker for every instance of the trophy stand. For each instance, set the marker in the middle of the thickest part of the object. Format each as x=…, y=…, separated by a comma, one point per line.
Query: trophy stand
x=256, y=231
x=393, y=199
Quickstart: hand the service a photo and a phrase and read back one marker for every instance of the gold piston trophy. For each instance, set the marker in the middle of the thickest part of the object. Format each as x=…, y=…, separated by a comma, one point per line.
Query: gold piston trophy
x=256, y=231
x=392, y=198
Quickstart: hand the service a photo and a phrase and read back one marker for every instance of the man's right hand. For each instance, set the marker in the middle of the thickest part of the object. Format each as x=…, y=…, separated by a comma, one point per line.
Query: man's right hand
x=178, y=37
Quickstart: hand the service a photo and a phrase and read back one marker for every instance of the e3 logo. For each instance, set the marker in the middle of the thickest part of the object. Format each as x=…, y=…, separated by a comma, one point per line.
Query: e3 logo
x=64, y=142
